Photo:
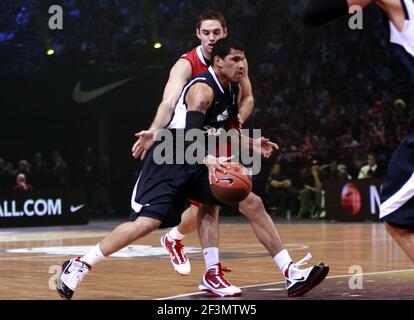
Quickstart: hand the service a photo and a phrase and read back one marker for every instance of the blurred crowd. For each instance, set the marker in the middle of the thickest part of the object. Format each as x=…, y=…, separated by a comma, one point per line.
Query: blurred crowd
x=337, y=102
x=54, y=173
x=109, y=33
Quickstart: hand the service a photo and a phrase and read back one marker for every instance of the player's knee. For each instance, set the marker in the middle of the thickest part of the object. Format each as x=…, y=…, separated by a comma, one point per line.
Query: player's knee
x=194, y=211
x=146, y=226
x=253, y=204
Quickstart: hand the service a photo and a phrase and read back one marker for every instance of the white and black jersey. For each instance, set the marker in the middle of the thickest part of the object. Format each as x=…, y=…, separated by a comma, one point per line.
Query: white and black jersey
x=403, y=41
x=221, y=111
x=405, y=37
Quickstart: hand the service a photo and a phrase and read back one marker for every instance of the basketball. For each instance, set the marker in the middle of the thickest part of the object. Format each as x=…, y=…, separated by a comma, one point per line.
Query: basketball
x=233, y=186
x=351, y=199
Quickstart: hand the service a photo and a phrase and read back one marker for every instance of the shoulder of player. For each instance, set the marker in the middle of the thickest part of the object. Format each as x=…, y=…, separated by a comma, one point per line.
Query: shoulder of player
x=200, y=96
x=202, y=90
x=189, y=53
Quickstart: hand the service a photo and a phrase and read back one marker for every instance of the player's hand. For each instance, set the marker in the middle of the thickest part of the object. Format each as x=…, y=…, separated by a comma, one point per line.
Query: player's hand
x=143, y=144
x=237, y=123
x=216, y=164
x=264, y=146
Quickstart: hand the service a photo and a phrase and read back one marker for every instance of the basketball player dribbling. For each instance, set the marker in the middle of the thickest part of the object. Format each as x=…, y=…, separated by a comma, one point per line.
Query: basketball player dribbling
x=397, y=192
x=211, y=27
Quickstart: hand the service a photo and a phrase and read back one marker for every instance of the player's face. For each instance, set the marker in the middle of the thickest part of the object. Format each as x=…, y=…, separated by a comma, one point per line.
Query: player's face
x=209, y=33
x=232, y=66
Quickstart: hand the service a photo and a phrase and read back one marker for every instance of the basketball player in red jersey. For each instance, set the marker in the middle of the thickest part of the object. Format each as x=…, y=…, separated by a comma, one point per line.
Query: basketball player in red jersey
x=211, y=27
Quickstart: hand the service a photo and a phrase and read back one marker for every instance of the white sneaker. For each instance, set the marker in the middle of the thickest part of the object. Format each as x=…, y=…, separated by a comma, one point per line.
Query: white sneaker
x=178, y=258
x=300, y=281
x=73, y=271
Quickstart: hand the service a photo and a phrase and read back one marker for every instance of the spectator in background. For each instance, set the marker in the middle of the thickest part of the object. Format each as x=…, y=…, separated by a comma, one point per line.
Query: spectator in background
x=25, y=168
x=331, y=171
x=311, y=194
x=60, y=173
x=39, y=165
x=21, y=184
x=371, y=169
x=343, y=173
x=40, y=171
x=6, y=178
x=12, y=171
x=281, y=192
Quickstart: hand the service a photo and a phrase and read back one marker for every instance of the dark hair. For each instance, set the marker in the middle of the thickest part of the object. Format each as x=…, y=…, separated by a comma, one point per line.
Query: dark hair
x=223, y=47
x=211, y=15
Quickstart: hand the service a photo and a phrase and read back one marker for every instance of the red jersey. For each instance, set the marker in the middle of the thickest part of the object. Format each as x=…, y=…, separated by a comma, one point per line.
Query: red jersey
x=199, y=64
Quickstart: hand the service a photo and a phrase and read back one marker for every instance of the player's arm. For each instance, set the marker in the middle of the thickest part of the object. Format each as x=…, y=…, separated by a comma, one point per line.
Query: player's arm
x=198, y=100
x=394, y=11
x=179, y=75
x=318, y=12
x=246, y=95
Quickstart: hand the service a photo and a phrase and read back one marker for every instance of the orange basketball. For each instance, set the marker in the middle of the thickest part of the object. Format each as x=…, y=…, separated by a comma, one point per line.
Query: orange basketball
x=233, y=186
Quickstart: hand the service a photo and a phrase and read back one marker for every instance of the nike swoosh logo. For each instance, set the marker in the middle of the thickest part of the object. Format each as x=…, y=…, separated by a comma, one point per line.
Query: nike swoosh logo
x=81, y=96
x=76, y=208
x=215, y=285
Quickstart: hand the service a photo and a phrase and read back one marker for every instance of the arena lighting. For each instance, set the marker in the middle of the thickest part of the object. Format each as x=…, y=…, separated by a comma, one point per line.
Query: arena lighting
x=157, y=45
x=50, y=52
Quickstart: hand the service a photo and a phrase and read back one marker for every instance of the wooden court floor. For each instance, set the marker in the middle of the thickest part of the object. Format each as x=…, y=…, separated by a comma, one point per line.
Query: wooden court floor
x=31, y=257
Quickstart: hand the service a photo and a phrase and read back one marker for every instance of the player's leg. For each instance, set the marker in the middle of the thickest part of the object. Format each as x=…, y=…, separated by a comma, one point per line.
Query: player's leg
x=124, y=235
x=188, y=222
x=213, y=280
x=75, y=269
x=151, y=203
x=397, y=196
x=171, y=241
x=298, y=281
x=252, y=207
x=404, y=237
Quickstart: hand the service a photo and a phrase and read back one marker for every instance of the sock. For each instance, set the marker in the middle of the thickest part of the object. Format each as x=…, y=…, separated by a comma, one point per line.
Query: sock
x=211, y=256
x=283, y=260
x=174, y=234
x=93, y=256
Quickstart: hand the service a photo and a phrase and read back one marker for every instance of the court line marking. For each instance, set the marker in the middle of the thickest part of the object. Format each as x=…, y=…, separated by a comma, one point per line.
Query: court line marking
x=280, y=282
x=229, y=246
x=57, y=235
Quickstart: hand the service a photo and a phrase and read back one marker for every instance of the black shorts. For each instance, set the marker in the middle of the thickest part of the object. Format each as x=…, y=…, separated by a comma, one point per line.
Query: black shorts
x=397, y=192
x=161, y=191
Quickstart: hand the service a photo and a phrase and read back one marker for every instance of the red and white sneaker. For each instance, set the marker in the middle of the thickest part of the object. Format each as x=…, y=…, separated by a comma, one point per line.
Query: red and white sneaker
x=177, y=256
x=214, y=282
x=301, y=281
x=73, y=271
